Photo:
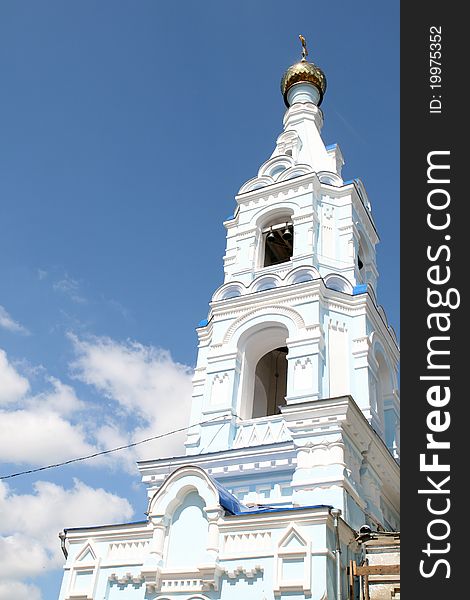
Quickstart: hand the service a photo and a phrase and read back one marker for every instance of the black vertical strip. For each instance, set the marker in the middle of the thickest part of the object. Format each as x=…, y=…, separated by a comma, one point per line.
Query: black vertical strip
x=434, y=267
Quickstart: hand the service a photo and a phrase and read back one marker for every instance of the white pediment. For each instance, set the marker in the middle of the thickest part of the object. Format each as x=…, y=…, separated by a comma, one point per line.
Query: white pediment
x=87, y=554
x=292, y=538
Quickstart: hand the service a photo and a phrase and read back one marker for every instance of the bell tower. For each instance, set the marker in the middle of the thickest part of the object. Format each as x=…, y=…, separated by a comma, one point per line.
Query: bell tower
x=297, y=318
x=296, y=328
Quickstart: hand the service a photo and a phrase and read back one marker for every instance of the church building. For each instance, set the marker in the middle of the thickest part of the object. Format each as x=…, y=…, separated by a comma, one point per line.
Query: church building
x=293, y=448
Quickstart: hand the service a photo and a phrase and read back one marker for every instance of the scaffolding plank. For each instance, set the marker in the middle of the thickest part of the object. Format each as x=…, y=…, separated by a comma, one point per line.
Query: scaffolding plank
x=377, y=570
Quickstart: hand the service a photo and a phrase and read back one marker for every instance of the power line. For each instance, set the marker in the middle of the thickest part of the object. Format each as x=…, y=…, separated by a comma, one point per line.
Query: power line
x=81, y=458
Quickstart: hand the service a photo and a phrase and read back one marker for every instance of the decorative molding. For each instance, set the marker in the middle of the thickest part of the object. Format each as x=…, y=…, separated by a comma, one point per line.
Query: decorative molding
x=241, y=571
x=270, y=310
x=86, y=567
x=247, y=543
x=261, y=431
x=247, y=233
x=204, y=578
x=272, y=190
x=127, y=579
x=127, y=550
x=293, y=550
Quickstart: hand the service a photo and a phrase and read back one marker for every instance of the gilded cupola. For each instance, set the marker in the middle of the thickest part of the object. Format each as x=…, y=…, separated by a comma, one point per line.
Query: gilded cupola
x=303, y=72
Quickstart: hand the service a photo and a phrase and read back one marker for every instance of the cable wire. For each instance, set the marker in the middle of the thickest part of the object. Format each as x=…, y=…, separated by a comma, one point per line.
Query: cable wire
x=81, y=458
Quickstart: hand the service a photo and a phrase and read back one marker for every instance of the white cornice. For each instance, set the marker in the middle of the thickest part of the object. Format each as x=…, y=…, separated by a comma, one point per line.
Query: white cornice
x=120, y=532
x=225, y=458
x=313, y=291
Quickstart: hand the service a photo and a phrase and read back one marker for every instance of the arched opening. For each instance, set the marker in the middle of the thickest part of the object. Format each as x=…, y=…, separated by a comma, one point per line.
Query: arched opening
x=263, y=371
x=270, y=383
x=278, y=242
x=360, y=263
x=363, y=257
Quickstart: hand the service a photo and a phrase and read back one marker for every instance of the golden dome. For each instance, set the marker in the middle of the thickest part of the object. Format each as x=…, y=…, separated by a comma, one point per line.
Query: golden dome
x=303, y=71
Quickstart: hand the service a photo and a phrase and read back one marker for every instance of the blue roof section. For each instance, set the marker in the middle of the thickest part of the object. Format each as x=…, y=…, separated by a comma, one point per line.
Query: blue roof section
x=360, y=289
x=230, y=217
x=228, y=500
x=202, y=323
x=275, y=509
x=236, y=508
x=331, y=146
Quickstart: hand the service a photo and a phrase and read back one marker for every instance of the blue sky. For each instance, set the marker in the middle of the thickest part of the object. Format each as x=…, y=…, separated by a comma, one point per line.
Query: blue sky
x=127, y=127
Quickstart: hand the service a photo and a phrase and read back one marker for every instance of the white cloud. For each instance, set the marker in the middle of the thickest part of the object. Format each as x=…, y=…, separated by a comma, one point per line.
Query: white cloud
x=22, y=556
x=18, y=591
x=30, y=523
x=112, y=436
x=62, y=399
x=13, y=386
x=55, y=508
x=38, y=437
x=134, y=375
x=143, y=393
x=147, y=394
x=8, y=323
x=35, y=431
x=144, y=381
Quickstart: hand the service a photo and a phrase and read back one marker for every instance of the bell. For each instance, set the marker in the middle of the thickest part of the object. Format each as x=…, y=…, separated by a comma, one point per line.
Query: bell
x=287, y=234
x=271, y=237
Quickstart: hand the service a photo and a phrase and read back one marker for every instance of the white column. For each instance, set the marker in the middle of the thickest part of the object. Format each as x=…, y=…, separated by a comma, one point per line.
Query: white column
x=160, y=524
x=213, y=516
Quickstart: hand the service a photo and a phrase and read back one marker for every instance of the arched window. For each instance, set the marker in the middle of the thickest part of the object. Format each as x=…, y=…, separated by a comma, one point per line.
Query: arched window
x=270, y=383
x=278, y=242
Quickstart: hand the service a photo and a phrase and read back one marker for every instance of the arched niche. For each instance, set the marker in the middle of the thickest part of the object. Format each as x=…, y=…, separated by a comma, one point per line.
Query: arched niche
x=277, y=170
x=302, y=275
x=188, y=532
x=276, y=165
x=230, y=290
x=293, y=172
x=338, y=283
x=184, y=513
x=266, y=282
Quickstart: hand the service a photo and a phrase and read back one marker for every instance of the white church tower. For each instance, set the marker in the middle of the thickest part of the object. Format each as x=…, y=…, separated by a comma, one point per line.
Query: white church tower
x=294, y=443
